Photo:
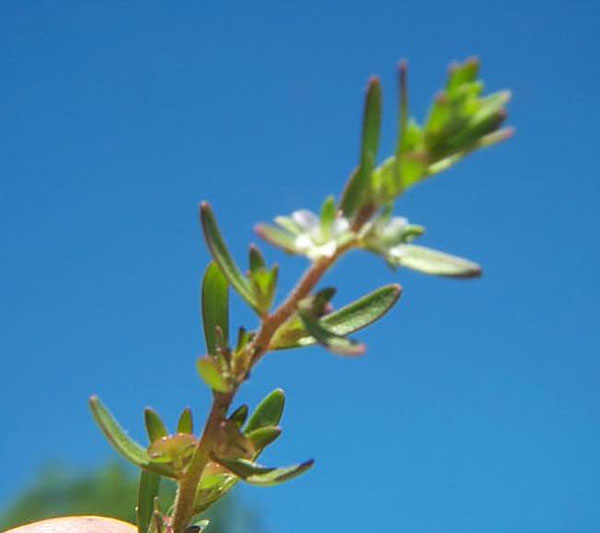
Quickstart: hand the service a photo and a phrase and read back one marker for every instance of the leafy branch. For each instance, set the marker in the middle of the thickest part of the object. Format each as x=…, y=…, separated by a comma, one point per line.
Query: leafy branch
x=460, y=121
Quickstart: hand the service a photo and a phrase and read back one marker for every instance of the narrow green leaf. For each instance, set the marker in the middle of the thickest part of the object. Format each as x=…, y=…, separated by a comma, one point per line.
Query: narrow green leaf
x=346, y=320
x=264, y=283
x=263, y=476
x=328, y=216
x=327, y=338
x=268, y=412
x=124, y=444
x=154, y=425
x=262, y=437
x=148, y=490
x=215, y=307
x=437, y=263
x=279, y=475
x=185, y=423
x=240, y=415
x=210, y=373
x=212, y=487
x=362, y=312
x=403, y=106
x=243, y=468
x=222, y=256
x=257, y=261
x=358, y=189
x=244, y=337
x=402, y=130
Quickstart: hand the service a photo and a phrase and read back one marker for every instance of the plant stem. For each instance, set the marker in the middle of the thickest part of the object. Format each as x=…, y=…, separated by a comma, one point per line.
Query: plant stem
x=186, y=493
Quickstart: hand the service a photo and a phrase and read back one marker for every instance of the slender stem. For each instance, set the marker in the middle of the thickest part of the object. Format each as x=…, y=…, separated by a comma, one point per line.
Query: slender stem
x=268, y=328
x=186, y=493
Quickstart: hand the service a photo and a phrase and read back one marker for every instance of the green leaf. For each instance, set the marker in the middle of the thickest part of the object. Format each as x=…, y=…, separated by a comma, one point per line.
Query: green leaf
x=279, y=475
x=124, y=444
x=243, y=468
x=257, y=261
x=437, y=263
x=215, y=307
x=358, y=189
x=186, y=422
x=148, y=490
x=264, y=283
x=403, y=105
x=395, y=186
x=262, y=437
x=243, y=339
x=459, y=74
x=223, y=258
x=328, y=216
x=264, y=476
x=212, y=487
x=154, y=425
x=240, y=415
x=127, y=447
x=346, y=320
x=268, y=412
x=362, y=312
x=330, y=340
x=210, y=373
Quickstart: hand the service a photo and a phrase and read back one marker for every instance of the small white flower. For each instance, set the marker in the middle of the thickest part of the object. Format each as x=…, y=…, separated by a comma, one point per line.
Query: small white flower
x=312, y=239
x=303, y=233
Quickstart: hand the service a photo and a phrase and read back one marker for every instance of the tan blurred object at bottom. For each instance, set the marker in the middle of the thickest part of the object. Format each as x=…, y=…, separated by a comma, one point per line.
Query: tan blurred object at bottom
x=77, y=524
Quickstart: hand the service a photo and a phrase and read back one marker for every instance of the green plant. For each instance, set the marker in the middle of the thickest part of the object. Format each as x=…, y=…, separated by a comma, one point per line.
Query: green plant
x=206, y=467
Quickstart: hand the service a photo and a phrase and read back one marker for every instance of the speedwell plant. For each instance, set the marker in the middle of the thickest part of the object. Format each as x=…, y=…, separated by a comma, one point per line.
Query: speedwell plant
x=206, y=464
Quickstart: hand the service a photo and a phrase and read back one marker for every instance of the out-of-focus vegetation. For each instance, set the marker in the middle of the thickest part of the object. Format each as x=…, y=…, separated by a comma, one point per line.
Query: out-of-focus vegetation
x=109, y=491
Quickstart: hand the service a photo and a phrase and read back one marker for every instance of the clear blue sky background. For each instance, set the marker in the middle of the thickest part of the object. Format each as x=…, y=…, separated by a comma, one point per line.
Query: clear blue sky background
x=477, y=408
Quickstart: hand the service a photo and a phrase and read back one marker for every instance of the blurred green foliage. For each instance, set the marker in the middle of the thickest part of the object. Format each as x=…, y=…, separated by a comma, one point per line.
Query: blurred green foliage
x=108, y=491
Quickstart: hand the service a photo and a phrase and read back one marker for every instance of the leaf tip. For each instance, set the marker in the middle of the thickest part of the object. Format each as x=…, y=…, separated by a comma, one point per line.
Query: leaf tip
x=472, y=61
x=307, y=464
x=279, y=392
x=397, y=288
x=508, y=133
x=261, y=231
x=473, y=273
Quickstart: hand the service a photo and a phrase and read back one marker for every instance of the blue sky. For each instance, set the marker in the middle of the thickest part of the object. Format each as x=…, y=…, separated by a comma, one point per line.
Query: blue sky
x=477, y=407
